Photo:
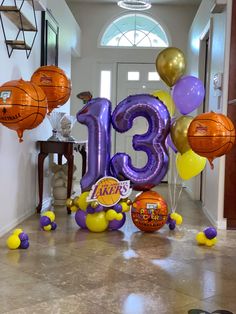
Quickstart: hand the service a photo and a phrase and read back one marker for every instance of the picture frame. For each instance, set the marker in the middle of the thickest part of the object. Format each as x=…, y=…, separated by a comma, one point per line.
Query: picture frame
x=49, y=39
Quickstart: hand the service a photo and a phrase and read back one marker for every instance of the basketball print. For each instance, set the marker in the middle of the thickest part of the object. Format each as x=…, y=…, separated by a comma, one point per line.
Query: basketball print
x=54, y=83
x=23, y=105
x=211, y=135
x=149, y=211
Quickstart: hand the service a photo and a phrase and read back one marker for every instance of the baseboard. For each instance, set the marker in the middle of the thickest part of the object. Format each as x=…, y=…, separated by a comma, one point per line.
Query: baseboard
x=220, y=224
x=46, y=204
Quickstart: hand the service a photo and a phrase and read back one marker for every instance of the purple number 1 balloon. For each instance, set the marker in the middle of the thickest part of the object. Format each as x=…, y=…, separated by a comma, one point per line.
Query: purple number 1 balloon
x=96, y=115
x=152, y=142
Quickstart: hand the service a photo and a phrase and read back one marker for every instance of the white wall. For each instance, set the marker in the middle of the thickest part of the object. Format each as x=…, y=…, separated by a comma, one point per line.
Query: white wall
x=93, y=18
x=213, y=197
x=18, y=162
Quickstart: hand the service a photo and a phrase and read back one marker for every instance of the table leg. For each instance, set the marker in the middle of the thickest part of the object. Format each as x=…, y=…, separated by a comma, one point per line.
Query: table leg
x=83, y=154
x=59, y=159
x=70, y=162
x=41, y=158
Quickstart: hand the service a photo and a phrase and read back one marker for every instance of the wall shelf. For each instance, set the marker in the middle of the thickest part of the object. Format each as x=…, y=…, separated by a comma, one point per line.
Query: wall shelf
x=16, y=15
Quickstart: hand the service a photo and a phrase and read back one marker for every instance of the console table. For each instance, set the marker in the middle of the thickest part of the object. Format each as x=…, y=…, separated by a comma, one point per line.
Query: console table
x=65, y=149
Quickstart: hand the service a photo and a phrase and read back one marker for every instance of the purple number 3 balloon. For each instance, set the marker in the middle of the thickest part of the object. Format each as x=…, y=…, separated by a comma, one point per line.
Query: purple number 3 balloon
x=152, y=142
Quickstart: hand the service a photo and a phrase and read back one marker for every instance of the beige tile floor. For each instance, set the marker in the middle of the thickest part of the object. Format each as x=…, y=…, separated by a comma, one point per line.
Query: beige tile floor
x=127, y=271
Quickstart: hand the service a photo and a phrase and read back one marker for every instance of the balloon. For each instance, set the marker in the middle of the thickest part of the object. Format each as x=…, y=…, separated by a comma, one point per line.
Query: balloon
x=97, y=222
x=24, y=244
x=189, y=164
x=44, y=221
x=210, y=233
x=54, y=225
x=13, y=242
x=17, y=231
x=169, y=143
x=179, y=133
x=172, y=225
x=80, y=218
x=118, y=208
x=152, y=142
x=170, y=65
x=47, y=228
x=201, y=238
x=23, y=236
x=166, y=99
x=50, y=215
x=82, y=201
x=188, y=94
x=211, y=135
x=111, y=214
x=96, y=115
x=117, y=224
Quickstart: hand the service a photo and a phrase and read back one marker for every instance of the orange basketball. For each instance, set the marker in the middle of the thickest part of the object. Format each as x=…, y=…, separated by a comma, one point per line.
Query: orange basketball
x=149, y=211
x=54, y=83
x=211, y=135
x=23, y=105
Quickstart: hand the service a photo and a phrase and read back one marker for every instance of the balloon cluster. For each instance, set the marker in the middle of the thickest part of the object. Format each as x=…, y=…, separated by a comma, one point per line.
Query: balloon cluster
x=173, y=220
x=95, y=217
x=18, y=239
x=47, y=221
x=207, y=237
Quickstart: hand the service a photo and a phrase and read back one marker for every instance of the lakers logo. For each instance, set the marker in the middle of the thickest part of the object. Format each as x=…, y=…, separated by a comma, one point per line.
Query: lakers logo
x=108, y=191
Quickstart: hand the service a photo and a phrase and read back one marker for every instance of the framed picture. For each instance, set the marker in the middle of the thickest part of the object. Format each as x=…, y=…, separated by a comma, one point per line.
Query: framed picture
x=49, y=39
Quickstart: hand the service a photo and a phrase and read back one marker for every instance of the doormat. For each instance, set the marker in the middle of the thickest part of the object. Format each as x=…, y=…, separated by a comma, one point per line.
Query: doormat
x=197, y=311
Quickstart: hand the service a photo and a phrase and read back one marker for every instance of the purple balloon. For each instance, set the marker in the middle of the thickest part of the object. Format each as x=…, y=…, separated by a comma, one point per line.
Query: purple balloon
x=23, y=236
x=117, y=208
x=210, y=233
x=24, y=244
x=80, y=218
x=188, y=94
x=44, y=221
x=117, y=224
x=99, y=208
x=172, y=225
x=96, y=115
x=90, y=210
x=54, y=225
x=152, y=142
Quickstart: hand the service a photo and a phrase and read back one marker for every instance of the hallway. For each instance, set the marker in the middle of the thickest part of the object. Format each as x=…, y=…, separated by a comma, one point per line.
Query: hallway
x=126, y=271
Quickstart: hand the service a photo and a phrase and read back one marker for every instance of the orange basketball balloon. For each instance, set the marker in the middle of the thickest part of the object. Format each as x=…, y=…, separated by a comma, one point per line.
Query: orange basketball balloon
x=211, y=135
x=149, y=211
x=54, y=83
x=23, y=105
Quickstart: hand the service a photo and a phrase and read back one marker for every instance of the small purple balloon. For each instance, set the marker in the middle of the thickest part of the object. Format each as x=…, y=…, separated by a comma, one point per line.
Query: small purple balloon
x=90, y=210
x=99, y=208
x=117, y=208
x=172, y=225
x=54, y=225
x=24, y=244
x=44, y=221
x=210, y=233
x=80, y=218
x=188, y=94
x=23, y=236
x=117, y=224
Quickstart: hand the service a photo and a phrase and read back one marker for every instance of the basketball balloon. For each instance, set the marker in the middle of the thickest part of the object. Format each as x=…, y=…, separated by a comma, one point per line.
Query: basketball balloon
x=23, y=105
x=149, y=211
x=211, y=135
x=54, y=83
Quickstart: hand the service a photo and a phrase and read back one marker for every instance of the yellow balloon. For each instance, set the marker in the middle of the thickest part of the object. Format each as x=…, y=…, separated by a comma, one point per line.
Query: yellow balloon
x=47, y=228
x=179, y=219
x=170, y=65
x=69, y=202
x=125, y=207
x=97, y=222
x=173, y=216
x=189, y=164
x=214, y=240
x=166, y=99
x=50, y=215
x=13, y=242
x=119, y=216
x=82, y=202
x=201, y=238
x=111, y=214
x=179, y=133
x=73, y=209
x=17, y=231
x=209, y=242
x=76, y=201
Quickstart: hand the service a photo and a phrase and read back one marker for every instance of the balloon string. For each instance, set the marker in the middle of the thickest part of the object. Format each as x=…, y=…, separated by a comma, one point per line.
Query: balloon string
x=180, y=192
x=170, y=195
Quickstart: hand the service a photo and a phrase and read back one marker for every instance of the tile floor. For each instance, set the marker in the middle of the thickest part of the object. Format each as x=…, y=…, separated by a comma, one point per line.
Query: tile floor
x=127, y=271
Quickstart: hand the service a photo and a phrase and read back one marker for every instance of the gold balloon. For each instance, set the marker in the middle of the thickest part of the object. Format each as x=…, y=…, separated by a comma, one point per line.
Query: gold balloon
x=94, y=204
x=179, y=133
x=170, y=65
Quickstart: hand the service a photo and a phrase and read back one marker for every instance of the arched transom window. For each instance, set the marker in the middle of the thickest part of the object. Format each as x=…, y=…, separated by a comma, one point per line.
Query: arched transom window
x=134, y=30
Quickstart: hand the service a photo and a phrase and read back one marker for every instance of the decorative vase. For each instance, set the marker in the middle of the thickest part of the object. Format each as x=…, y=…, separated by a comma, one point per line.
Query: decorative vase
x=55, y=118
x=67, y=123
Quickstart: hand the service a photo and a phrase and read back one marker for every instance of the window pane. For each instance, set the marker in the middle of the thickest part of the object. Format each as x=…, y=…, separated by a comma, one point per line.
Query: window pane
x=133, y=76
x=105, y=84
x=153, y=76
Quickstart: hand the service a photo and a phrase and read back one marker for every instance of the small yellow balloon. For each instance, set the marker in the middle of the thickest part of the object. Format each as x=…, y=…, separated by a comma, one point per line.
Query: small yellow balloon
x=119, y=216
x=69, y=202
x=170, y=65
x=73, y=209
x=111, y=214
x=166, y=99
x=76, y=201
x=201, y=238
x=214, y=240
x=17, y=231
x=125, y=207
x=209, y=242
x=179, y=133
x=82, y=202
x=173, y=216
x=189, y=164
x=13, y=242
x=178, y=219
x=50, y=215
x=97, y=222
x=47, y=228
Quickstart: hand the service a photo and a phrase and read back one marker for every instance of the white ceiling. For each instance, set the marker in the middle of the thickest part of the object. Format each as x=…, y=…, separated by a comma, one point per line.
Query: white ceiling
x=176, y=2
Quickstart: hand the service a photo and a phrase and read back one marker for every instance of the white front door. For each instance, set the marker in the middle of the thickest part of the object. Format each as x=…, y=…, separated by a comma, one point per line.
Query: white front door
x=135, y=79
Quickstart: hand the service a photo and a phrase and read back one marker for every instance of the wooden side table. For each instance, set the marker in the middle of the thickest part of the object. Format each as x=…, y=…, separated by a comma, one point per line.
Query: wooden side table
x=65, y=149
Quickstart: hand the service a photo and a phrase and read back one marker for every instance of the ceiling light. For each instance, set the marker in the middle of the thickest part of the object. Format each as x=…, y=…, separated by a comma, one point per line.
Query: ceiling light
x=134, y=4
